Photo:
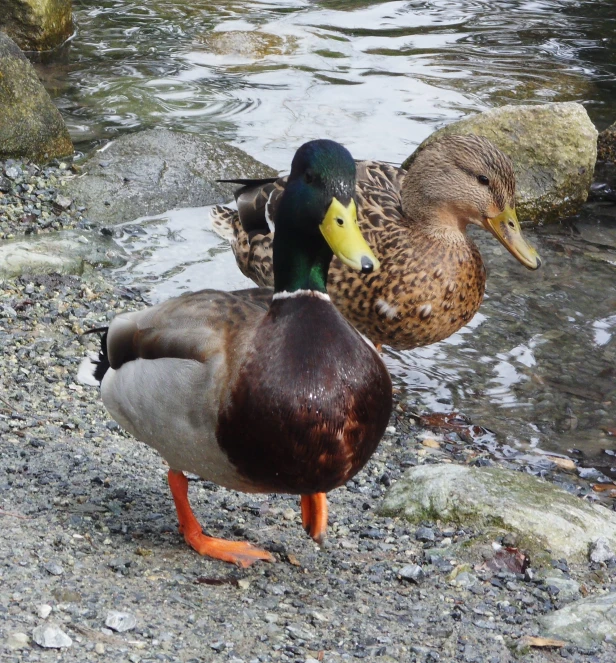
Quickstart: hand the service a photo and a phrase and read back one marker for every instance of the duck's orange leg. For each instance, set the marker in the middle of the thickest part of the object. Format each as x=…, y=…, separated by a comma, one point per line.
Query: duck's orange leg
x=314, y=515
x=236, y=552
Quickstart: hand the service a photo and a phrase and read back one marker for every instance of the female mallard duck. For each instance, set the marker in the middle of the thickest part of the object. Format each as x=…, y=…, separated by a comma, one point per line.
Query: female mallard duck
x=288, y=399
x=432, y=278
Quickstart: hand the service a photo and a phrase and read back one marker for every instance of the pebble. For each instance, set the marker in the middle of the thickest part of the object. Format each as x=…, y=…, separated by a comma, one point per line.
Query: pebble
x=44, y=611
x=99, y=648
x=51, y=637
x=425, y=534
x=54, y=568
x=120, y=621
x=17, y=640
x=412, y=572
x=600, y=551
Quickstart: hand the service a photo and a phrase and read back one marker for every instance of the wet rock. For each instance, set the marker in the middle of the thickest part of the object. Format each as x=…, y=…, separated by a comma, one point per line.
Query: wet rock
x=606, y=144
x=553, y=148
x=253, y=45
x=120, y=621
x=544, y=516
x=600, y=551
x=37, y=25
x=51, y=637
x=156, y=170
x=30, y=124
x=585, y=623
x=65, y=252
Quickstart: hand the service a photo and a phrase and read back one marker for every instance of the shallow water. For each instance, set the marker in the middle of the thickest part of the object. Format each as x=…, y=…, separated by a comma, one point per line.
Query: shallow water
x=537, y=365
x=377, y=76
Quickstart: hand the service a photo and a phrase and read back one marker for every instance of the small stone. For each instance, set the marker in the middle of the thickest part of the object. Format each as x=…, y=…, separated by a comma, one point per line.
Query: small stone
x=465, y=579
x=99, y=648
x=120, y=621
x=244, y=583
x=12, y=173
x=600, y=551
x=412, y=572
x=44, y=611
x=63, y=201
x=54, y=568
x=17, y=640
x=425, y=534
x=51, y=637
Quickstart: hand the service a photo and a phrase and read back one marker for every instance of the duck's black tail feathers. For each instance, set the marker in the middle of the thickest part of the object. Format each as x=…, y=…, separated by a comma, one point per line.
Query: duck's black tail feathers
x=93, y=367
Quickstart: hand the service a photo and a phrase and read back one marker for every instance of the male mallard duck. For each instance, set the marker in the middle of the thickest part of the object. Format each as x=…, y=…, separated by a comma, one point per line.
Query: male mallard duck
x=432, y=278
x=288, y=399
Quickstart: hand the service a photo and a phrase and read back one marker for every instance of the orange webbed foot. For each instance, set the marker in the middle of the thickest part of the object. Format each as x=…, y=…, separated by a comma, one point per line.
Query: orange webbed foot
x=237, y=552
x=314, y=515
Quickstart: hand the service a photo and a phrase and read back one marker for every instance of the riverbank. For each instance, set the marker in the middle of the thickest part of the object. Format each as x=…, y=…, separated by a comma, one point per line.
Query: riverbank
x=89, y=527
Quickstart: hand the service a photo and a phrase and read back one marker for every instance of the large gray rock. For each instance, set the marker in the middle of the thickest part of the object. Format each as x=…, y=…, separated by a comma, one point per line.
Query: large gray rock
x=156, y=170
x=30, y=125
x=37, y=25
x=585, y=623
x=544, y=516
x=64, y=252
x=553, y=148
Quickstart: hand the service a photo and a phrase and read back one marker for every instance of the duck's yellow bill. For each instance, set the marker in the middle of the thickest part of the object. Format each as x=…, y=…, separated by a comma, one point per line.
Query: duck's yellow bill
x=341, y=232
x=506, y=228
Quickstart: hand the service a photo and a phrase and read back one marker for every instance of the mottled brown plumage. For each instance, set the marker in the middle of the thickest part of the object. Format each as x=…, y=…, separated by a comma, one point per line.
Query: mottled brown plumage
x=432, y=278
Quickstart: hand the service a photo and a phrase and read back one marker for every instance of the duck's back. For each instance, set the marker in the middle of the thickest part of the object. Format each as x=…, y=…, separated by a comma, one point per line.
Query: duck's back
x=311, y=402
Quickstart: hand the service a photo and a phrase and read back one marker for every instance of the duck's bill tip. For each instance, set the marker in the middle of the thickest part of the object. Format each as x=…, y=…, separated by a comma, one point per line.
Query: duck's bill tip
x=506, y=228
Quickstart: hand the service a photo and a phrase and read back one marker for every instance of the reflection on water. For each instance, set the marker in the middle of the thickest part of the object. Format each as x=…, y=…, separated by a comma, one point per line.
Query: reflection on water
x=378, y=76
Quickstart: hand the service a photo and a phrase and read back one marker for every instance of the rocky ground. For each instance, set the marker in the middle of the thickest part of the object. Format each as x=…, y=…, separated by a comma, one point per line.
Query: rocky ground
x=88, y=528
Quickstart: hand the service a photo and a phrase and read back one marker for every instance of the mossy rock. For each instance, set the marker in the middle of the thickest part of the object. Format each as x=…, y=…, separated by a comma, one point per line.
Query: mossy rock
x=37, y=25
x=546, y=518
x=606, y=144
x=30, y=125
x=553, y=148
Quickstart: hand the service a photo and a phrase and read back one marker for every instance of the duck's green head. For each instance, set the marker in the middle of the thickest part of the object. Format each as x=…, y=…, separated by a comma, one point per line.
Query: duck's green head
x=317, y=218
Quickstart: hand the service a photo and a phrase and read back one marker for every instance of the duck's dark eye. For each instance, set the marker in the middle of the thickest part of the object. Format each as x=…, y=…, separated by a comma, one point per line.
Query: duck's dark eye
x=308, y=177
x=482, y=179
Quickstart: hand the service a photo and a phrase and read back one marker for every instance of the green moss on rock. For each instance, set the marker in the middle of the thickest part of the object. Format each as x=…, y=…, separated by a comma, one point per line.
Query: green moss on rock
x=37, y=25
x=30, y=125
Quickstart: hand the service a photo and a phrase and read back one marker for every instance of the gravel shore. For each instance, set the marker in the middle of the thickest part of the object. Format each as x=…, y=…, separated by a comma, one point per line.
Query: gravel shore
x=88, y=527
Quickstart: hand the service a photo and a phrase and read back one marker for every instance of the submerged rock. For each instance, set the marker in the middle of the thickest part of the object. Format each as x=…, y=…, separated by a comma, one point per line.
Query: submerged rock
x=153, y=171
x=30, y=125
x=37, y=25
x=606, y=144
x=584, y=623
x=64, y=252
x=544, y=516
x=553, y=148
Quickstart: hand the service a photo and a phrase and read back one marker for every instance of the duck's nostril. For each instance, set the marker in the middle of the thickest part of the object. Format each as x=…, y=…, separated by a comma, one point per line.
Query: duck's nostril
x=366, y=265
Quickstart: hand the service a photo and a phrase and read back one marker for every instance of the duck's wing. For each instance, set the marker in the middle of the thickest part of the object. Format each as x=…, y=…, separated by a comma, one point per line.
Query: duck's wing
x=249, y=229
x=172, y=368
x=379, y=203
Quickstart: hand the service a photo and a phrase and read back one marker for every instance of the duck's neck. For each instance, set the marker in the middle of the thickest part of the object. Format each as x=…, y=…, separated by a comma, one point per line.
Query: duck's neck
x=300, y=263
